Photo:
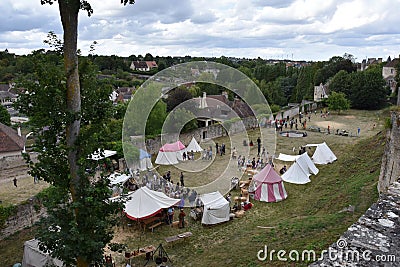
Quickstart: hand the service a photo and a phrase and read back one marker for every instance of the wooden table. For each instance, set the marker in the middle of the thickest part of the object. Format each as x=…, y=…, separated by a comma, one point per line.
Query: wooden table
x=178, y=237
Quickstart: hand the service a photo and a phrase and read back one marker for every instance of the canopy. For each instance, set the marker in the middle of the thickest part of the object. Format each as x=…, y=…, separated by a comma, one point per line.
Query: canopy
x=296, y=174
x=34, y=257
x=303, y=159
x=323, y=154
x=194, y=146
x=144, y=160
x=98, y=155
x=216, y=208
x=118, y=178
x=145, y=203
x=169, y=154
x=268, y=185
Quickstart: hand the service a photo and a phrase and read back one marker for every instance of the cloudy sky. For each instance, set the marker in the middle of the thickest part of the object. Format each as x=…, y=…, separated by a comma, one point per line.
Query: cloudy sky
x=293, y=29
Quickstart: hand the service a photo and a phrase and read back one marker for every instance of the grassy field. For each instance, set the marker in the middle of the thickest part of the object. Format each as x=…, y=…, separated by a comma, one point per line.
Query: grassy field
x=309, y=219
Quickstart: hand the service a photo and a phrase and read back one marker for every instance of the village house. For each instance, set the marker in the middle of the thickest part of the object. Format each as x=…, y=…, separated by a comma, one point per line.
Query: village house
x=320, y=92
x=389, y=73
x=11, y=142
x=143, y=65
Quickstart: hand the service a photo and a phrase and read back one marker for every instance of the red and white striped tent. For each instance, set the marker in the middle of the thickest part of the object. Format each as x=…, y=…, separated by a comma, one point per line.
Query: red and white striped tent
x=170, y=154
x=268, y=185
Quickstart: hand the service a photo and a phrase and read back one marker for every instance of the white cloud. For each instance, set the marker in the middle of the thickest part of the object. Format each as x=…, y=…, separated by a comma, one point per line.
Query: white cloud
x=308, y=29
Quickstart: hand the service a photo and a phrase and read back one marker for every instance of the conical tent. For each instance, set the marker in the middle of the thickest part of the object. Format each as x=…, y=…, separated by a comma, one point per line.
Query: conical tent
x=296, y=175
x=323, y=154
x=144, y=160
x=145, y=203
x=194, y=146
x=268, y=185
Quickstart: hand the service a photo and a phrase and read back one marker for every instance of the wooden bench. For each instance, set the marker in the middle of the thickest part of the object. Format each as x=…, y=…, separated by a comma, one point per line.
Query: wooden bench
x=182, y=236
x=151, y=227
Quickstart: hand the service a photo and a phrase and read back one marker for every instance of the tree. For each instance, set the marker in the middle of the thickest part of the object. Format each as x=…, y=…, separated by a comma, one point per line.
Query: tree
x=84, y=229
x=5, y=117
x=338, y=102
x=177, y=96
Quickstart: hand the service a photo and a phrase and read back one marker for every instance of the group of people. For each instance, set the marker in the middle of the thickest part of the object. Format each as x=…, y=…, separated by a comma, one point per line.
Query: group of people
x=188, y=155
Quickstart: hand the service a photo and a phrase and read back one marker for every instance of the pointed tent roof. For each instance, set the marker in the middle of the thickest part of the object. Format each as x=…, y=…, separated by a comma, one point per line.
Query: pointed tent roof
x=145, y=203
x=296, y=175
x=307, y=164
x=267, y=175
x=194, y=146
x=177, y=146
x=323, y=154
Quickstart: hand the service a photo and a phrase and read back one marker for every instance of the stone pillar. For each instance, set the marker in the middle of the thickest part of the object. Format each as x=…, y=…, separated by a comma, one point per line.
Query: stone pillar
x=398, y=96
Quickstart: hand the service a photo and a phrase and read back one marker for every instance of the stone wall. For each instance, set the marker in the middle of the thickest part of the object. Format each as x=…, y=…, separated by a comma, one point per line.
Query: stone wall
x=212, y=131
x=27, y=214
x=390, y=169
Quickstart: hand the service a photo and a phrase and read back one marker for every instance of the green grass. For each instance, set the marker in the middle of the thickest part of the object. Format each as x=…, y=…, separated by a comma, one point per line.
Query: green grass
x=309, y=219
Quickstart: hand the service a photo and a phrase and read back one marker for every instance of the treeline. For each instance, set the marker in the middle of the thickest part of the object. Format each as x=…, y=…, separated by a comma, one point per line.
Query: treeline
x=281, y=83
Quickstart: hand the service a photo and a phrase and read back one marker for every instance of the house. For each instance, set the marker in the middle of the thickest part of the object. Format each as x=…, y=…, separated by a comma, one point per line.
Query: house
x=368, y=62
x=11, y=141
x=389, y=73
x=320, y=92
x=143, y=65
x=218, y=108
x=7, y=98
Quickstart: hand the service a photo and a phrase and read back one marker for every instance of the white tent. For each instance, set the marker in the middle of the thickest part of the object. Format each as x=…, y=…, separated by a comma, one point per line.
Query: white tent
x=144, y=160
x=118, y=178
x=194, y=146
x=323, y=154
x=216, y=208
x=304, y=161
x=296, y=174
x=98, y=155
x=169, y=154
x=145, y=203
x=33, y=257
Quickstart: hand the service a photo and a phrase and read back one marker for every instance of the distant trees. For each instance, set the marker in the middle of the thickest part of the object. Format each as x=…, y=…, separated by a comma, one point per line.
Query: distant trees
x=177, y=96
x=365, y=89
x=5, y=117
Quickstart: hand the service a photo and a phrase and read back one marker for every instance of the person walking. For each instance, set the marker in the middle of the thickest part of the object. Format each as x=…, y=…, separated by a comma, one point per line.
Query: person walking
x=15, y=182
x=181, y=179
x=181, y=217
x=259, y=145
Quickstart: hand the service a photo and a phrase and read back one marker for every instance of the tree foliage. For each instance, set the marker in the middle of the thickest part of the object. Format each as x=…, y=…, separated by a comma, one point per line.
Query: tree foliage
x=338, y=102
x=5, y=117
x=177, y=96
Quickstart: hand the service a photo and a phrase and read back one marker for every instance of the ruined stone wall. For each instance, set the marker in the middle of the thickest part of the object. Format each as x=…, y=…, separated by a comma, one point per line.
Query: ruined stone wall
x=26, y=215
x=390, y=169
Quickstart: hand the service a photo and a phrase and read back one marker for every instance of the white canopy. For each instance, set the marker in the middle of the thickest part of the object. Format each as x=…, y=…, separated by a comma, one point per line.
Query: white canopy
x=285, y=157
x=323, y=154
x=34, y=257
x=216, y=208
x=118, y=178
x=296, y=174
x=145, y=203
x=98, y=155
x=194, y=146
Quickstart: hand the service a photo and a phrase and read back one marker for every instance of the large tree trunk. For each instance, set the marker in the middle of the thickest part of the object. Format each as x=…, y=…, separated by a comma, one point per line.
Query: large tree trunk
x=69, y=10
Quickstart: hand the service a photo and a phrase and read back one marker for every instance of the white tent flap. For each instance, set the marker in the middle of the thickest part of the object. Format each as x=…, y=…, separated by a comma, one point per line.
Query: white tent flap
x=216, y=208
x=145, y=203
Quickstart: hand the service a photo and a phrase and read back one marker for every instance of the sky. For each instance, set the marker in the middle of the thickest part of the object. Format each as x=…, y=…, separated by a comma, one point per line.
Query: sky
x=280, y=29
